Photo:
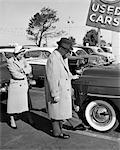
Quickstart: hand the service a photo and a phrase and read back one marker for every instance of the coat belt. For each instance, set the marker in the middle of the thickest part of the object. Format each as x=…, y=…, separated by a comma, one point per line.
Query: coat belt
x=18, y=79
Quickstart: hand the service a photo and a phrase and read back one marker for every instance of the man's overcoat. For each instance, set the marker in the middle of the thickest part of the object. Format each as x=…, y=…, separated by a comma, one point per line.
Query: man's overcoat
x=58, y=84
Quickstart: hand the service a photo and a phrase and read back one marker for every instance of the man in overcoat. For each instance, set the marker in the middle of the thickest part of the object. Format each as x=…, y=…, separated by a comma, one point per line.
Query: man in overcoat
x=58, y=87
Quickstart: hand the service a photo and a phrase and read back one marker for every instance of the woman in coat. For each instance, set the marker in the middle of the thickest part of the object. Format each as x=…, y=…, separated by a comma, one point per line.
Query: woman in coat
x=18, y=88
x=58, y=87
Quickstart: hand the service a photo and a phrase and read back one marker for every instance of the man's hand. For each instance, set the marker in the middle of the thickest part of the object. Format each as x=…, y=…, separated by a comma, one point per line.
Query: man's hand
x=77, y=108
x=55, y=100
x=75, y=77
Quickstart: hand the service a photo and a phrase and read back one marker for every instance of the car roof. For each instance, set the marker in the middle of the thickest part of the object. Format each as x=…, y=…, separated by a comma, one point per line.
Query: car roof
x=3, y=47
x=77, y=48
x=95, y=47
x=50, y=49
x=7, y=50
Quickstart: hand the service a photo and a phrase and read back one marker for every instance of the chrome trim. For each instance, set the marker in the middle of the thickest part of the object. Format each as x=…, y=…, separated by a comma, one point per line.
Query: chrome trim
x=99, y=95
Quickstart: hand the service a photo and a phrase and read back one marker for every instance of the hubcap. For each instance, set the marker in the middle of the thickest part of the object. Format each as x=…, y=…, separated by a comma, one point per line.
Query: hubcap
x=101, y=115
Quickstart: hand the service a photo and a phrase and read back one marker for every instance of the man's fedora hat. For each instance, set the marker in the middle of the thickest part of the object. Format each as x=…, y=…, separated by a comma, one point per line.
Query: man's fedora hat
x=65, y=43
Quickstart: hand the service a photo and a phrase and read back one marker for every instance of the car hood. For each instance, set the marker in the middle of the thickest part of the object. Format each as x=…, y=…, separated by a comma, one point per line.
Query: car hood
x=103, y=71
x=109, y=56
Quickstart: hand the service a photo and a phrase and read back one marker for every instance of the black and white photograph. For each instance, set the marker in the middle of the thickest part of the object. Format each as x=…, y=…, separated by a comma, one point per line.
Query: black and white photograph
x=60, y=75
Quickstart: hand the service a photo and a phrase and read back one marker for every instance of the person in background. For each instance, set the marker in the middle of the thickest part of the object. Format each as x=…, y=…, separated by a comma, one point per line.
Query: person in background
x=17, y=101
x=58, y=87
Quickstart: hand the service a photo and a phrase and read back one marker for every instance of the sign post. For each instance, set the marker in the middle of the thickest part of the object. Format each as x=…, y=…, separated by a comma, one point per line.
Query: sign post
x=99, y=37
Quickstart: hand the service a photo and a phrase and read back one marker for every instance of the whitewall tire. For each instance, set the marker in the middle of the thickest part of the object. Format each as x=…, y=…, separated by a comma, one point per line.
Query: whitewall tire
x=100, y=115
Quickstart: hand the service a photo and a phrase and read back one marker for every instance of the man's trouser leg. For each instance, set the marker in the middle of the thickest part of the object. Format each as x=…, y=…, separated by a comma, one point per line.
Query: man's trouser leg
x=56, y=124
x=29, y=100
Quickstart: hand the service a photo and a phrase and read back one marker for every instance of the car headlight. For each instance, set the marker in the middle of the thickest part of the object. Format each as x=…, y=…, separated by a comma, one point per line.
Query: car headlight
x=3, y=87
x=104, y=58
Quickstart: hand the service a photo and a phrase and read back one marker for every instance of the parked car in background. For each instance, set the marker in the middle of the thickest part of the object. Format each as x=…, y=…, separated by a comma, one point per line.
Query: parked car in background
x=98, y=51
x=80, y=58
x=93, y=60
x=37, y=58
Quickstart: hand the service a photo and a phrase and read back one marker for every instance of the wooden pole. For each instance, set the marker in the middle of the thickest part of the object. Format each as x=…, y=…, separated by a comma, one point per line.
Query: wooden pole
x=99, y=35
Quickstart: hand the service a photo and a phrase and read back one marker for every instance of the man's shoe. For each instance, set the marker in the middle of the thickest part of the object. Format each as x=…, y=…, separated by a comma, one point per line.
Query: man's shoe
x=80, y=127
x=13, y=127
x=62, y=136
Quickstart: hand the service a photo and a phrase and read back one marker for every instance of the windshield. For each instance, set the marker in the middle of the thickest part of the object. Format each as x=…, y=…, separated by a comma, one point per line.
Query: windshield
x=37, y=54
x=106, y=49
x=100, y=50
x=80, y=52
x=89, y=50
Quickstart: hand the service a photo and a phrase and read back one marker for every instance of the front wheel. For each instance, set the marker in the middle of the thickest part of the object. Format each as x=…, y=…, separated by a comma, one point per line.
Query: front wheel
x=100, y=115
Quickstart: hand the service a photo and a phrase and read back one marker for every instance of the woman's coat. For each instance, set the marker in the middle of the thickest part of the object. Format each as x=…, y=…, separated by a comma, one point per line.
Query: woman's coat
x=58, y=84
x=17, y=91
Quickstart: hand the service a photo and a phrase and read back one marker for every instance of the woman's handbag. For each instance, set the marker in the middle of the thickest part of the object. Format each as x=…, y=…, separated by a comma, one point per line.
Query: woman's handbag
x=31, y=82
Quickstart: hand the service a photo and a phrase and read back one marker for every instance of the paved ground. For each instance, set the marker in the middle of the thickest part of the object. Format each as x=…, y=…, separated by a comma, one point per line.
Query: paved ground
x=38, y=137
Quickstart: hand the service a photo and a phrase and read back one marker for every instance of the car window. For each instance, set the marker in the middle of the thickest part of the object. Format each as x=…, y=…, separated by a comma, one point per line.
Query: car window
x=7, y=54
x=37, y=53
x=89, y=50
x=80, y=52
x=100, y=50
x=106, y=49
x=73, y=54
x=47, y=54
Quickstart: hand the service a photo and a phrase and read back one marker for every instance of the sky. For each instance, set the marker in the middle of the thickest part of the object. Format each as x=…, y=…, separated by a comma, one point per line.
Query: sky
x=15, y=16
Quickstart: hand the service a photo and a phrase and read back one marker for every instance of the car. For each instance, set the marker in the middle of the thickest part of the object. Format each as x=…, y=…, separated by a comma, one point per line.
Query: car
x=80, y=58
x=37, y=58
x=97, y=50
x=97, y=91
x=108, y=50
x=91, y=59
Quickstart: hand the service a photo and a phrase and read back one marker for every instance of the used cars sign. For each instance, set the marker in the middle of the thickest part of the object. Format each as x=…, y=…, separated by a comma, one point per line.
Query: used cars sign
x=104, y=14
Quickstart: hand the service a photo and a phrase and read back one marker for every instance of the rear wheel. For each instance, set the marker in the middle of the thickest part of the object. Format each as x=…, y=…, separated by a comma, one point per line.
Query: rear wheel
x=100, y=115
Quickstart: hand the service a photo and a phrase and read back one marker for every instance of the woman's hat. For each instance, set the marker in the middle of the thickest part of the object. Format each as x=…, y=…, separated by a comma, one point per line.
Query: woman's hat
x=65, y=43
x=18, y=49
